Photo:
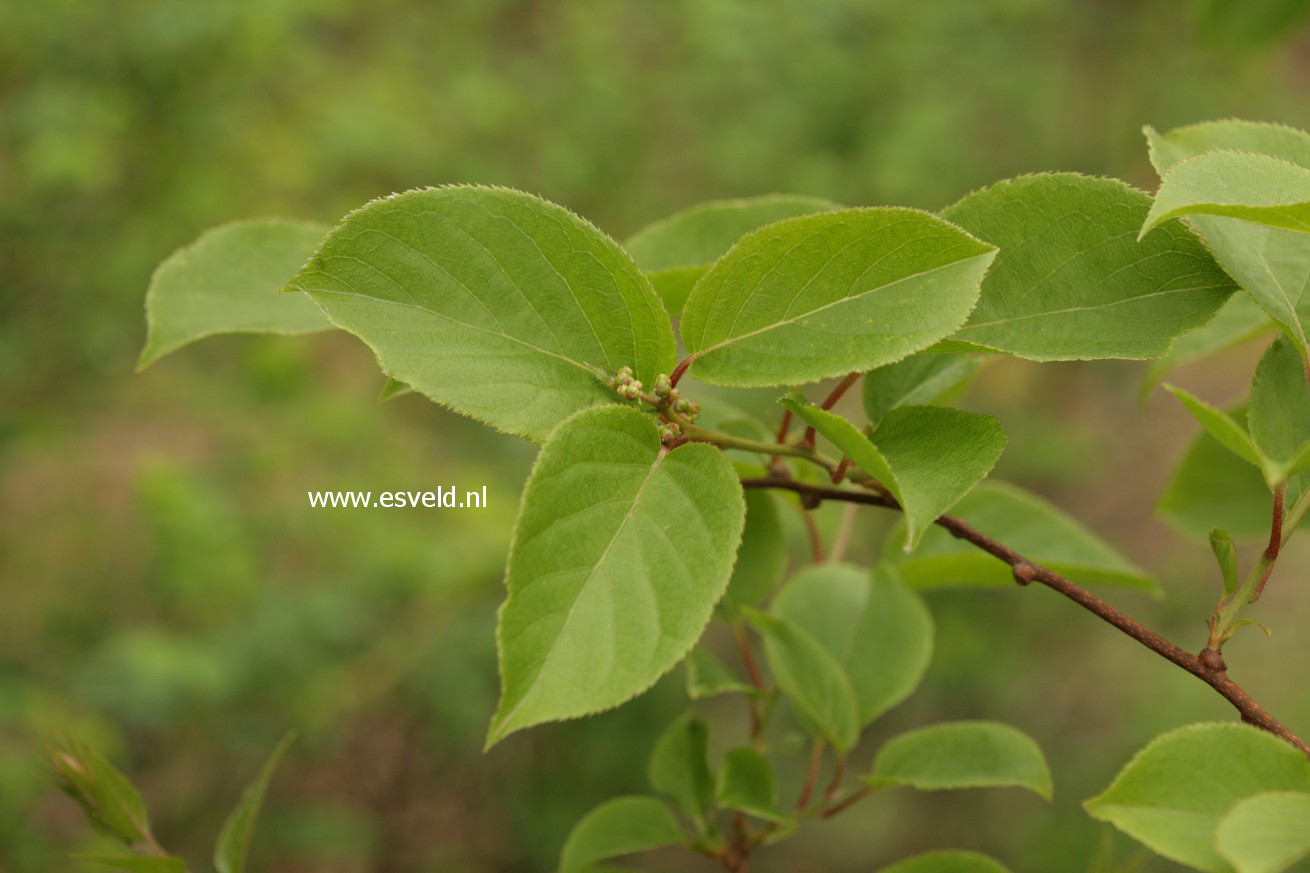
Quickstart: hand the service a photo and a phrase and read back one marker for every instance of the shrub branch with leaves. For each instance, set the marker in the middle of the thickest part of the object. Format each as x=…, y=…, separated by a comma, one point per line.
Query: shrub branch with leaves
x=653, y=508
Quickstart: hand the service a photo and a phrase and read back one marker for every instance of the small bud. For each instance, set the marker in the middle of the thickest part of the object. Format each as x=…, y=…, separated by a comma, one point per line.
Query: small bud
x=662, y=385
x=673, y=395
x=682, y=407
x=669, y=432
x=624, y=374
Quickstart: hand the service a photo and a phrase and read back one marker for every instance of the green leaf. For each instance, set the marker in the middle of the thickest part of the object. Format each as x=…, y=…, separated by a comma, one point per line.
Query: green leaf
x=619, y=554
x=919, y=380
x=873, y=625
x=678, y=768
x=819, y=690
x=963, y=754
x=393, y=389
x=747, y=784
x=495, y=303
x=1225, y=552
x=1270, y=263
x=1072, y=282
x=1244, y=185
x=621, y=826
x=233, y=844
x=677, y=250
x=109, y=800
x=928, y=457
x=136, y=863
x=1239, y=320
x=762, y=557
x=947, y=861
x=1278, y=412
x=1029, y=525
x=1220, y=425
x=1174, y=793
x=1266, y=833
x=707, y=676
x=1212, y=486
x=227, y=281
x=1232, y=134
x=821, y=295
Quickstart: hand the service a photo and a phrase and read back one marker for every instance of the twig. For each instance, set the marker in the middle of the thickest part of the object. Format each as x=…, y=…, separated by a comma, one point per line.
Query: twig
x=811, y=775
x=1208, y=666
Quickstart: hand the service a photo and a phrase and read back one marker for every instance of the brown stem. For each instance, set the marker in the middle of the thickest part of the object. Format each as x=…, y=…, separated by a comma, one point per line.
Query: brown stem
x=1275, y=536
x=831, y=400
x=1207, y=667
x=851, y=799
x=811, y=775
x=816, y=538
x=838, y=771
x=679, y=370
x=753, y=673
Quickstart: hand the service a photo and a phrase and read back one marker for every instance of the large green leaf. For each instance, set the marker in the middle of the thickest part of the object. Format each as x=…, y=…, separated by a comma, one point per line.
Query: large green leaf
x=677, y=250
x=234, y=840
x=963, y=754
x=620, y=826
x=1072, y=282
x=818, y=688
x=1266, y=833
x=947, y=861
x=1025, y=523
x=495, y=303
x=746, y=783
x=1245, y=185
x=919, y=380
x=928, y=457
x=678, y=768
x=1278, y=412
x=1174, y=793
x=227, y=281
x=620, y=552
x=874, y=625
x=820, y=295
x=762, y=557
x=1271, y=263
x=1239, y=320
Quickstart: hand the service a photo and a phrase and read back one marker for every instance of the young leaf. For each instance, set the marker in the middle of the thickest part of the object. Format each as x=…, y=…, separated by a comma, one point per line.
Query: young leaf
x=227, y=281
x=963, y=754
x=1231, y=134
x=947, y=861
x=874, y=625
x=109, y=800
x=137, y=863
x=1278, y=412
x=707, y=676
x=392, y=389
x=818, y=688
x=1266, y=833
x=1239, y=320
x=1225, y=552
x=495, y=303
x=919, y=380
x=821, y=295
x=928, y=457
x=620, y=552
x=1072, y=282
x=747, y=784
x=621, y=826
x=1270, y=263
x=233, y=844
x=1174, y=793
x=1252, y=187
x=762, y=557
x=678, y=768
x=677, y=250
x=1024, y=522
x=1220, y=425
x=1212, y=486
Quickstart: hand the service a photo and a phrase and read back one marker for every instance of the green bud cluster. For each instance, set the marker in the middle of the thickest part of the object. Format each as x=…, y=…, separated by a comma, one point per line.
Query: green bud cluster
x=687, y=408
x=669, y=432
x=625, y=384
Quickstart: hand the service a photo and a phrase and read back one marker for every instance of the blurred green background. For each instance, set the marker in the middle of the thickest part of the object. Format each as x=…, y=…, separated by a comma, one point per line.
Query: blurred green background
x=169, y=597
